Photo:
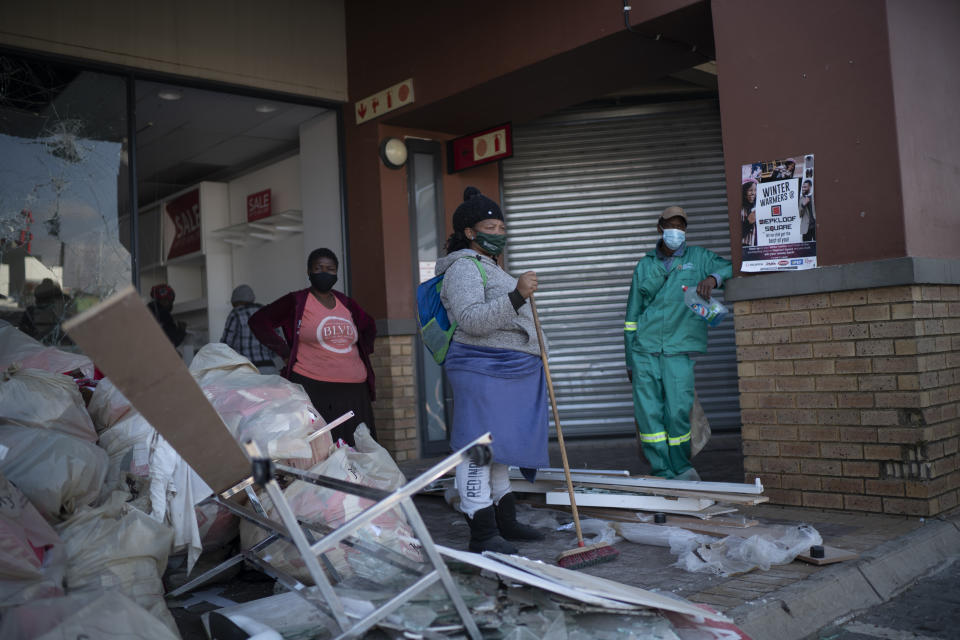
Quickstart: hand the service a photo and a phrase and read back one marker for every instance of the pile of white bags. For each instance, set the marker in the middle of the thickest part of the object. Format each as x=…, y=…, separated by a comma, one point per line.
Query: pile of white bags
x=18, y=347
x=57, y=472
x=32, y=557
x=35, y=398
x=97, y=614
x=116, y=546
x=270, y=410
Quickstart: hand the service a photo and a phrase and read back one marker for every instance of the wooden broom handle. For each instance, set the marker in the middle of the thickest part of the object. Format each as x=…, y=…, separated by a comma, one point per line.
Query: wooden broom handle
x=556, y=421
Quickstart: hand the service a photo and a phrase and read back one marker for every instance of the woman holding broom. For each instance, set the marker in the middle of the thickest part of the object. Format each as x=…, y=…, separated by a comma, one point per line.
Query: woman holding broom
x=495, y=369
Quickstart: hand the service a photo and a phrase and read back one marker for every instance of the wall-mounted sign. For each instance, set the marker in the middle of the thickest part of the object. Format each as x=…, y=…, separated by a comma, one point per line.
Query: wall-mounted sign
x=184, y=212
x=479, y=148
x=394, y=97
x=778, y=225
x=259, y=205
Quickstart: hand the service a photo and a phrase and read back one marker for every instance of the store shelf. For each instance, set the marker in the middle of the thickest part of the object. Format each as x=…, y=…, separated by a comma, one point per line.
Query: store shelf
x=269, y=229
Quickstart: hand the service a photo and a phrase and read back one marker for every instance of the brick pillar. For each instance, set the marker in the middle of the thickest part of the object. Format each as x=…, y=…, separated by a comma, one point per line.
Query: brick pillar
x=395, y=409
x=850, y=399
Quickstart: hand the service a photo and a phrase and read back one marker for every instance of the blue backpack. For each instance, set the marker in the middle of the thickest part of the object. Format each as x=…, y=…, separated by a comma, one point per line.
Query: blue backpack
x=436, y=329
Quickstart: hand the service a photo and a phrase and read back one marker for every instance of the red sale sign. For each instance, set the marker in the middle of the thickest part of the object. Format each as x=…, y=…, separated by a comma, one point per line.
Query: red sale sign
x=259, y=205
x=184, y=212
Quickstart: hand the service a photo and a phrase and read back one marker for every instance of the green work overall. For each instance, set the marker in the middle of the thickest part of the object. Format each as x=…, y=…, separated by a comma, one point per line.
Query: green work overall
x=659, y=333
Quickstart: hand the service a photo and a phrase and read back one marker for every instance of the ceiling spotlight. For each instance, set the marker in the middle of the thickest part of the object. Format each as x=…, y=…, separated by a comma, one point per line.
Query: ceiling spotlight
x=264, y=108
x=169, y=94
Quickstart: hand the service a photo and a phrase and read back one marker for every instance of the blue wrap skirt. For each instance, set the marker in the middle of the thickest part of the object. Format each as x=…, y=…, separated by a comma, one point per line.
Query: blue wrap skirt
x=504, y=392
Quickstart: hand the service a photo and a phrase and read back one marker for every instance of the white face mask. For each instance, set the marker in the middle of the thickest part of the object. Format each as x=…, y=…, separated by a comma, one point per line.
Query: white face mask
x=673, y=238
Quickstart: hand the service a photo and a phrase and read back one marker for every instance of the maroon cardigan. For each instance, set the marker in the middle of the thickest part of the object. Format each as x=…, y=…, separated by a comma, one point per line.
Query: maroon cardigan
x=286, y=313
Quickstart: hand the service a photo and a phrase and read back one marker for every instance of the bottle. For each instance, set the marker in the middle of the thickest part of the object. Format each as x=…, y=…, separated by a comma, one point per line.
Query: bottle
x=712, y=311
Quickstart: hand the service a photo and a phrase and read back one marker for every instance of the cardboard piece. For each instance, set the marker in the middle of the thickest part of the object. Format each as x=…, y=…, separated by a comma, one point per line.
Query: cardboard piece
x=124, y=340
x=830, y=555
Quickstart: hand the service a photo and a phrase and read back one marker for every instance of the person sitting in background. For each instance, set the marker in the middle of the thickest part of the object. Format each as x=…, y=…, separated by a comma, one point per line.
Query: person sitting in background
x=161, y=306
x=238, y=336
x=326, y=344
x=41, y=320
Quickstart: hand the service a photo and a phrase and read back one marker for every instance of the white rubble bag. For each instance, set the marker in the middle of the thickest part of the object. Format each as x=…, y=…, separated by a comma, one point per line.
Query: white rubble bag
x=32, y=556
x=16, y=346
x=44, y=400
x=268, y=409
x=142, y=460
x=107, y=405
x=369, y=465
x=116, y=546
x=58, y=473
x=97, y=614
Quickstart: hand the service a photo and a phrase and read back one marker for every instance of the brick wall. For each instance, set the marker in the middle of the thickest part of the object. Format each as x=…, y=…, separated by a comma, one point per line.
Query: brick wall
x=395, y=409
x=850, y=399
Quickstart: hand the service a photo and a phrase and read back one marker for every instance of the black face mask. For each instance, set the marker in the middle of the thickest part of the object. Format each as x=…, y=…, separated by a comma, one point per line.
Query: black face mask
x=323, y=281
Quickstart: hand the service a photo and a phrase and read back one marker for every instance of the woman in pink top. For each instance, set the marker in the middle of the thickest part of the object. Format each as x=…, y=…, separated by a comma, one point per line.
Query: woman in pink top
x=327, y=342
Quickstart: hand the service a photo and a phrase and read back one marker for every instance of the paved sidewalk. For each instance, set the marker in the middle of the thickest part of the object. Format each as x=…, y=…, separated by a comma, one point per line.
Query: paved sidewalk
x=784, y=603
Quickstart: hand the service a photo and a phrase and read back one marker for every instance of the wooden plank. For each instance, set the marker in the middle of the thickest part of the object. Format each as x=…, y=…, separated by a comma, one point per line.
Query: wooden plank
x=628, y=501
x=124, y=340
x=545, y=486
x=601, y=587
x=512, y=573
x=636, y=482
x=830, y=555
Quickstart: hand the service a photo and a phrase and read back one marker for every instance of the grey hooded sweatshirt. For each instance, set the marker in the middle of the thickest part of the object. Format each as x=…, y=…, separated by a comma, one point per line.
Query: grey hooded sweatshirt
x=484, y=315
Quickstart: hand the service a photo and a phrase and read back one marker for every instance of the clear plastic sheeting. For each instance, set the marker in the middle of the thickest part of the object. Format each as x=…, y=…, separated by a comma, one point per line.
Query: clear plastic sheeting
x=57, y=472
x=594, y=530
x=18, y=347
x=98, y=614
x=43, y=400
x=733, y=555
x=270, y=410
x=677, y=539
x=116, y=546
x=32, y=556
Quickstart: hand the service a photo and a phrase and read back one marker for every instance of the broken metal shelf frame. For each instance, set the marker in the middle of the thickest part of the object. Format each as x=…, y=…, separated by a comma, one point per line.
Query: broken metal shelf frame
x=299, y=534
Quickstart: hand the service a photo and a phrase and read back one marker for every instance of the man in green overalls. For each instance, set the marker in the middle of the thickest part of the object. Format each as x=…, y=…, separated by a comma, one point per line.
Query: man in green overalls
x=659, y=332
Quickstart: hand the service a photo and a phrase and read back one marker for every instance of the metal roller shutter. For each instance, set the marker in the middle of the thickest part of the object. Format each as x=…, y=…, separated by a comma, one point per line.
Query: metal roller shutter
x=582, y=195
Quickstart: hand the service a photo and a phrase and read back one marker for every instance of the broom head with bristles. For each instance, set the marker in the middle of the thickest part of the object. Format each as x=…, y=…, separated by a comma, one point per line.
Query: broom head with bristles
x=587, y=556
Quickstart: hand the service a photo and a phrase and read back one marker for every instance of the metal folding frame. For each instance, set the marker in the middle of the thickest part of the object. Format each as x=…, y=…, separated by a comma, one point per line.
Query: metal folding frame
x=312, y=550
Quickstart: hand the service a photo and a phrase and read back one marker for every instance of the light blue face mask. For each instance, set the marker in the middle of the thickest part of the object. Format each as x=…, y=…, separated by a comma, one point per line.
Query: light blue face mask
x=673, y=238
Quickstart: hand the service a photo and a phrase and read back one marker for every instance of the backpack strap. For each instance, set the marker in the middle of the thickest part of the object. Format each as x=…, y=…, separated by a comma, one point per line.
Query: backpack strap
x=483, y=272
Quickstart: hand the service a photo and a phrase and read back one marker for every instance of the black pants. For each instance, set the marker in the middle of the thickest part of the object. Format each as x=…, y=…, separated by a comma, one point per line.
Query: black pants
x=333, y=399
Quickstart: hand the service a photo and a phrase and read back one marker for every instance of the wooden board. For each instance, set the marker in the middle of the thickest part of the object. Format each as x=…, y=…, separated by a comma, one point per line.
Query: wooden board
x=124, y=340
x=506, y=571
x=629, y=501
x=637, y=482
x=830, y=555
x=546, y=485
x=676, y=520
x=601, y=587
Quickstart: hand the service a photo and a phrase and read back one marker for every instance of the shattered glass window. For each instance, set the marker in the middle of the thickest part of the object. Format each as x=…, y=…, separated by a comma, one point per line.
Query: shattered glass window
x=63, y=179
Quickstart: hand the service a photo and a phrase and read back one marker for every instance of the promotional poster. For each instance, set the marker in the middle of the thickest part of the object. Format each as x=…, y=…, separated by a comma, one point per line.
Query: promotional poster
x=778, y=225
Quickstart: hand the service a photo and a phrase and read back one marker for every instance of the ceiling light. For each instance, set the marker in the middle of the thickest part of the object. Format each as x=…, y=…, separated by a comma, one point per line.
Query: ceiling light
x=393, y=152
x=264, y=108
x=169, y=94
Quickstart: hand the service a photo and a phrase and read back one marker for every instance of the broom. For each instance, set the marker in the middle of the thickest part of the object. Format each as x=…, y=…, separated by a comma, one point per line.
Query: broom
x=583, y=555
